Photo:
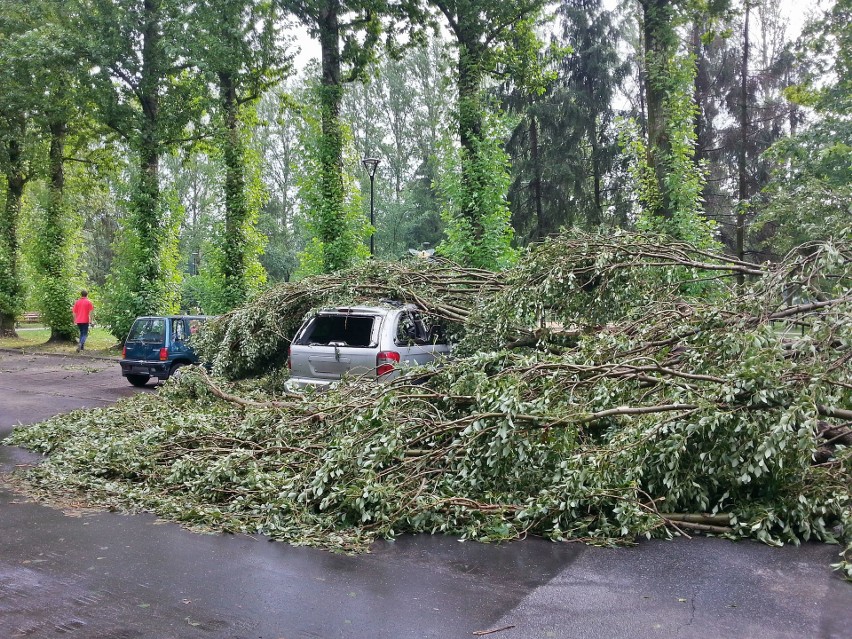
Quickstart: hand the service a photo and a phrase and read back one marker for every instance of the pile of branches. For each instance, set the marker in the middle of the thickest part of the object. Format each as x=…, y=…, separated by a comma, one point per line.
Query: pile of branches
x=575, y=414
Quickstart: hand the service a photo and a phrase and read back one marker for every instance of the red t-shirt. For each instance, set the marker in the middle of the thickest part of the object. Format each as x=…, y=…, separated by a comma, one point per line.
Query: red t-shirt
x=82, y=308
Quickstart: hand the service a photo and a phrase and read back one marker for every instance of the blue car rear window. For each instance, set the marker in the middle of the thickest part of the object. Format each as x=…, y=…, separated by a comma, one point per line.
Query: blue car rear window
x=151, y=329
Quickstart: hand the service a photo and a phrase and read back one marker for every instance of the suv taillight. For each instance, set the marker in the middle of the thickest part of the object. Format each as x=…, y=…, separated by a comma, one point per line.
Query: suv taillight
x=124, y=353
x=164, y=354
x=385, y=362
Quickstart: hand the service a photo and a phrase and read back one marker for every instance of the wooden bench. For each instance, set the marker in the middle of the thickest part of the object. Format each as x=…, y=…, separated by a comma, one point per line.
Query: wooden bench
x=30, y=318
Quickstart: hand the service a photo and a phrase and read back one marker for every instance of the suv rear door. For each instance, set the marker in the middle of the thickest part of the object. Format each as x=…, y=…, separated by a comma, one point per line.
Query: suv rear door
x=336, y=343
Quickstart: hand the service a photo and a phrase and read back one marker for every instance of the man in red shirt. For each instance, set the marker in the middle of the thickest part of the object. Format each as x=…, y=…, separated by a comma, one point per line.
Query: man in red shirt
x=82, y=314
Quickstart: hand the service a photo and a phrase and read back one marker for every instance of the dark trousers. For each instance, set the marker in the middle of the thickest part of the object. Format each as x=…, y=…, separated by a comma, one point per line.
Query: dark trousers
x=84, y=333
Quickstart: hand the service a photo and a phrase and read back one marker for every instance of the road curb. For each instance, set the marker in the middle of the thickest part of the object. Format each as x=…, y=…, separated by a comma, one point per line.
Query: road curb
x=22, y=351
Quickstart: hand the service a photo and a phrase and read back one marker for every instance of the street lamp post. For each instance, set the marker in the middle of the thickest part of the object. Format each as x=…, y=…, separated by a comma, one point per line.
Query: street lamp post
x=370, y=164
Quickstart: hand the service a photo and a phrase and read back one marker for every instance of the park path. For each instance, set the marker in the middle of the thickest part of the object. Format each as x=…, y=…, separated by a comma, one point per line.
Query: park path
x=100, y=575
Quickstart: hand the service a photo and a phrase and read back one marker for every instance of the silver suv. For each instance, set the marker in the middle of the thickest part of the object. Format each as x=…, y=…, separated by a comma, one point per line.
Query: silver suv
x=373, y=342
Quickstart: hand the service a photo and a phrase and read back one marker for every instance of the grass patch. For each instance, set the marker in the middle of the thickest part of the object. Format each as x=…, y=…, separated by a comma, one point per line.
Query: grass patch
x=34, y=339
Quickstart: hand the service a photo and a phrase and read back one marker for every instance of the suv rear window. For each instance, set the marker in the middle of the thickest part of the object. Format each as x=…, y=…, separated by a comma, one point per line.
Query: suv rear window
x=348, y=330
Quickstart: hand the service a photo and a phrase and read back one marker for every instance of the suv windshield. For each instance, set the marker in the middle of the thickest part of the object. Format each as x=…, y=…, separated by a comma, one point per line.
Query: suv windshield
x=348, y=330
x=151, y=329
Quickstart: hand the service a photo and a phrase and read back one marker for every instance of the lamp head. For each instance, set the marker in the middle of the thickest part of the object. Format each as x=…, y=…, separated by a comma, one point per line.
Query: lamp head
x=370, y=164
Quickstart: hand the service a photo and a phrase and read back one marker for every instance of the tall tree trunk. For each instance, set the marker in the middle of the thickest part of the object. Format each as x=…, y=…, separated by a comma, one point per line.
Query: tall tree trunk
x=660, y=42
x=236, y=207
x=52, y=255
x=794, y=115
x=11, y=288
x=145, y=201
x=700, y=88
x=643, y=101
x=741, y=156
x=542, y=226
x=470, y=124
x=331, y=230
x=596, y=214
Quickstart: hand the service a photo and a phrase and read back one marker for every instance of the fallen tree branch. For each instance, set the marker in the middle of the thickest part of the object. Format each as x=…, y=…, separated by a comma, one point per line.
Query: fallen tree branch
x=482, y=633
x=635, y=410
x=721, y=519
x=807, y=308
x=721, y=530
x=234, y=399
x=839, y=413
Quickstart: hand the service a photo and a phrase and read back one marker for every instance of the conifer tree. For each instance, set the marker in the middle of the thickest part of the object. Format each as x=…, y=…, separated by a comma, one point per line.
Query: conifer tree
x=565, y=148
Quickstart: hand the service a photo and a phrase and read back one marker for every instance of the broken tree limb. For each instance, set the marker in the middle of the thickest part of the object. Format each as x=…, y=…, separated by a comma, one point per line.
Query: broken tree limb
x=839, y=413
x=482, y=633
x=721, y=519
x=807, y=308
x=635, y=410
x=721, y=530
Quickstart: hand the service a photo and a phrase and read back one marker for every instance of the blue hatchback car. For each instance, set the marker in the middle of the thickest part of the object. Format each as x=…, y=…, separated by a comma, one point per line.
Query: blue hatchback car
x=157, y=346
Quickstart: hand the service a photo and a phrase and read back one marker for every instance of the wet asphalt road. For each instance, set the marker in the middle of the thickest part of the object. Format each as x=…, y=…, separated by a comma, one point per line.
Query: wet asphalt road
x=80, y=574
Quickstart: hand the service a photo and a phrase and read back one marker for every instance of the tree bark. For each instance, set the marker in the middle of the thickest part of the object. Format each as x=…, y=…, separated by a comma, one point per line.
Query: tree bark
x=336, y=254
x=596, y=215
x=236, y=209
x=146, y=199
x=741, y=155
x=53, y=254
x=660, y=42
x=470, y=120
x=701, y=92
x=11, y=289
x=542, y=226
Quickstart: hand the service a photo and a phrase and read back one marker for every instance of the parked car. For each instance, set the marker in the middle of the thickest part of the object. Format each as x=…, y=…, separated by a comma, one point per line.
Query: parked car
x=157, y=346
x=374, y=342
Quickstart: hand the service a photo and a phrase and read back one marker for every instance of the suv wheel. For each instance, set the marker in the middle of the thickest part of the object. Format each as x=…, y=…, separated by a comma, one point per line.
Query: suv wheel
x=138, y=380
x=175, y=371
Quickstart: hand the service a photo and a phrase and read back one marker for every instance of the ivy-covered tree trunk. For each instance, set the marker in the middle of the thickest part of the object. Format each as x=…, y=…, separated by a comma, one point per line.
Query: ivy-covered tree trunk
x=471, y=112
x=52, y=255
x=146, y=199
x=139, y=86
x=145, y=266
x=331, y=219
x=338, y=249
x=661, y=41
x=488, y=36
x=236, y=48
x=236, y=207
x=11, y=287
x=139, y=76
x=145, y=213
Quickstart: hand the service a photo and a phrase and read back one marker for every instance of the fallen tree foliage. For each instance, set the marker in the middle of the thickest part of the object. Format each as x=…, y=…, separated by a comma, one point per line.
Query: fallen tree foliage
x=606, y=388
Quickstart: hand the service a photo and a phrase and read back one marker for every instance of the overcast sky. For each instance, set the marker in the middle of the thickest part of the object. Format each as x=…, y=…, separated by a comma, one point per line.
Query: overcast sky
x=795, y=10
